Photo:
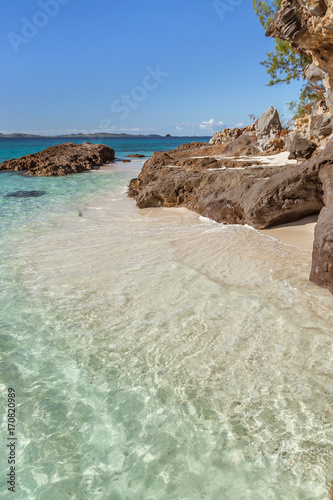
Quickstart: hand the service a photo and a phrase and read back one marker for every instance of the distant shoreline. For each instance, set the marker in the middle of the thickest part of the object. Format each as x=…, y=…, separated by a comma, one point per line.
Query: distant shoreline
x=18, y=135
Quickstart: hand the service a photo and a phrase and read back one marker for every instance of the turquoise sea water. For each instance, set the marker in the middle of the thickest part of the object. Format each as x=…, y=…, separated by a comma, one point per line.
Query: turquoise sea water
x=156, y=354
x=15, y=148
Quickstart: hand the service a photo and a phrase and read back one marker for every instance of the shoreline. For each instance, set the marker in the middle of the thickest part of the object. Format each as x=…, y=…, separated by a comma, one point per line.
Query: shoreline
x=299, y=234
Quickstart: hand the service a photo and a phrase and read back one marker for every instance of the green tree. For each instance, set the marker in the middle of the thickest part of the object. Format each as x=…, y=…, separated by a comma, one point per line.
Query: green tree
x=283, y=64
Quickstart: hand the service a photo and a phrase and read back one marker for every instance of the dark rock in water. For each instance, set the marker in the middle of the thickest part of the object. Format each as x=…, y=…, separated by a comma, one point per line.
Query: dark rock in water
x=300, y=147
x=25, y=194
x=62, y=159
x=126, y=161
x=136, y=156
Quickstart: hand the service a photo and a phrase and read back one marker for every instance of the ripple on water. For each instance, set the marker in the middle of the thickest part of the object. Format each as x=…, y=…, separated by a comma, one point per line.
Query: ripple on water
x=159, y=355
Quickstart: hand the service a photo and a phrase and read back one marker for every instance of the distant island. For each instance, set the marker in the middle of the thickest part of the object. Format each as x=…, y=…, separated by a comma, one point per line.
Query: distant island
x=98, y=135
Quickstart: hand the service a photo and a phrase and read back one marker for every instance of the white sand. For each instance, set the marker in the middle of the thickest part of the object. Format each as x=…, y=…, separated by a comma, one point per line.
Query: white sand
x=299, y=234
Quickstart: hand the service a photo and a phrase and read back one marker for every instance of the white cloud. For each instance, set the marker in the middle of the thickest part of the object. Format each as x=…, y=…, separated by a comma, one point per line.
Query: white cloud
x=210, y=125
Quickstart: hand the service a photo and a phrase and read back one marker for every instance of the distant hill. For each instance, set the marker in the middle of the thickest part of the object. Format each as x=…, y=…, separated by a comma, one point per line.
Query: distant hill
x=74, y=136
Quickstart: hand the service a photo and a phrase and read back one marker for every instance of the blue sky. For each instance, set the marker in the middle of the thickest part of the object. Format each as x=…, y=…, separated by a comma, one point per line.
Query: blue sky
x=181, y=67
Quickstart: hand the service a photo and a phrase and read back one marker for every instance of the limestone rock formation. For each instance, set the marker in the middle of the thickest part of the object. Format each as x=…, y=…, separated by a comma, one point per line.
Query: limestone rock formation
x=229, y=134
x=268, y=127
x=62, y=159
x=300, y=147
x=308, y=26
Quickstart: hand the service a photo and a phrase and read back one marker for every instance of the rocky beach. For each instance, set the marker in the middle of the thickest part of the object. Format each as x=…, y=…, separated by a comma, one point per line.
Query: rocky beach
x=166, y=301
x=235, y=180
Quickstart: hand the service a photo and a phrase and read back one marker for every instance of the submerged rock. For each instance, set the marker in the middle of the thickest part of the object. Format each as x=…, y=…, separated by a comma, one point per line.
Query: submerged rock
x=62, y=159
x=25, y=194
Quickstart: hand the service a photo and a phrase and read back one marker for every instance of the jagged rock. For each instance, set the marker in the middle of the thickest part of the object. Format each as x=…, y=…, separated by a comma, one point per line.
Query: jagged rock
x=244, y=191
x=300, y=147
x=245, y=145
x=308, y=26
x=314, y=74
x=321, y=125
x=192, y=145
x=62, y=159
x=268, y=127
x=229, y=190
x=287, y=196
x=229, y=134
x=226, y=135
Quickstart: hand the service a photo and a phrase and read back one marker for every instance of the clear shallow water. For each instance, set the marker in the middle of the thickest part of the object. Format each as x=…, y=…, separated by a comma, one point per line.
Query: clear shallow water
x=157, y=355
x=15, y=148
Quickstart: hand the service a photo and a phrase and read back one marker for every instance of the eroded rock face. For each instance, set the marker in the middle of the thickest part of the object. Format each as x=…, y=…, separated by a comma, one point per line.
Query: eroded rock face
x=229, y=134
x=233, y=191
x=300, y=147
x=308, y=26
x=322, y=256
x=244, y=190
x=62, y=159
x=268, y=127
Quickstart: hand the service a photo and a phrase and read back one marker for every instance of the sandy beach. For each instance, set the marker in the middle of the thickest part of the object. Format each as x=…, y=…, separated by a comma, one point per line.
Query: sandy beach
x=299, y=234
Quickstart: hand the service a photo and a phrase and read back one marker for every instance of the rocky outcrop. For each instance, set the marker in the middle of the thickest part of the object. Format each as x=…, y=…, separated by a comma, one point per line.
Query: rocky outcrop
x=300, y=147
x=62, y=159
x=322, y=256
x=307, y=25
x=229, y=134
x=245, y=190
x=267, y=127
x=234, y=191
